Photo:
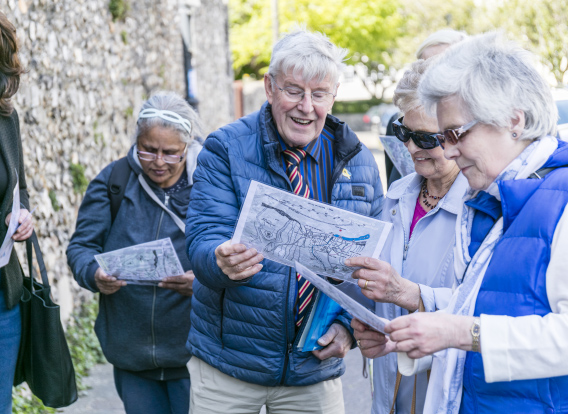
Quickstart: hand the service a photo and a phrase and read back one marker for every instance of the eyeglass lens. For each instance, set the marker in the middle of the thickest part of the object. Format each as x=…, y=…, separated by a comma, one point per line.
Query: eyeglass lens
x=421, y=139
x=169, y=159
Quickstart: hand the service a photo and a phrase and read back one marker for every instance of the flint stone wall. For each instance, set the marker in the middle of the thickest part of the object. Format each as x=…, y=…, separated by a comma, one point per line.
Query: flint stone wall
x=87, y=79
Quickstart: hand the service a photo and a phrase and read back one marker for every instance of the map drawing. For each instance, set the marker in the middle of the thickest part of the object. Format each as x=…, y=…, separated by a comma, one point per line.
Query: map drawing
x=286, y=228
x=398, y=154
x=349, y=304
x=143, y=263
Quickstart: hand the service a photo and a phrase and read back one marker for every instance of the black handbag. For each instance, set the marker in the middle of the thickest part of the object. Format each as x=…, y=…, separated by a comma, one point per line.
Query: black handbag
x=44, y=361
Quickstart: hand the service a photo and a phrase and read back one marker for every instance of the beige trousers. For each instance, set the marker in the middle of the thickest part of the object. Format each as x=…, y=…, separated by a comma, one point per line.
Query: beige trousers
x=213, y=392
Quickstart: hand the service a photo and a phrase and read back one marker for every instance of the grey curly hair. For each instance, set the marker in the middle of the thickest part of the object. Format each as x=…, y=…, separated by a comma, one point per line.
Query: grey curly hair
x=406, y=92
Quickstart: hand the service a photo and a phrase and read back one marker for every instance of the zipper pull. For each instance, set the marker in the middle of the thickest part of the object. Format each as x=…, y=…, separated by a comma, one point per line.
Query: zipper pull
x=167, y=199
x=290, y=346
x=405, y=251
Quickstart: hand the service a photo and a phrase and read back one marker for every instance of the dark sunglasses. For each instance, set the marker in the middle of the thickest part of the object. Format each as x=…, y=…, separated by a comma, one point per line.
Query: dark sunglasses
x=424, y=140
x=452, y=135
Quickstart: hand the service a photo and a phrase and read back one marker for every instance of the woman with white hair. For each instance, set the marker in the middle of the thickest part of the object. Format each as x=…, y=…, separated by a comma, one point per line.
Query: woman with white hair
x=416, y=266
x=501, y=344
x=438, y=42
x=143, y=197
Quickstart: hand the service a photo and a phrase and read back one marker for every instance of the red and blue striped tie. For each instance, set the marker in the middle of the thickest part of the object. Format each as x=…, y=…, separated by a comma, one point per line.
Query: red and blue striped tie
x=306, y=290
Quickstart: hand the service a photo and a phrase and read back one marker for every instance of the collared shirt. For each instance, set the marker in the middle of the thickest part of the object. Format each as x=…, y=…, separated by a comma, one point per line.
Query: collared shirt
x=317, y=167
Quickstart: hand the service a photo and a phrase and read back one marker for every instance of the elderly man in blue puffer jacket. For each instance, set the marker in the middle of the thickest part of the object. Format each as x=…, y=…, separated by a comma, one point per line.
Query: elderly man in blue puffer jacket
x=244, y=320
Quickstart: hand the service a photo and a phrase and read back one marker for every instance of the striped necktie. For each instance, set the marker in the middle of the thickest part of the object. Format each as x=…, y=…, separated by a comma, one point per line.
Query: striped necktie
x=306, y=290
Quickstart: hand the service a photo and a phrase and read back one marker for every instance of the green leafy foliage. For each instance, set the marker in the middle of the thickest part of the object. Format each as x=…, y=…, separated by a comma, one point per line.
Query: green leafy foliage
x=367, y=28
x=354, y=107
x=383, y=35
x=83, y=343
x=24, y=402
x=78, y=178
x=118, y=9
x=542, y=26
x=53, y=199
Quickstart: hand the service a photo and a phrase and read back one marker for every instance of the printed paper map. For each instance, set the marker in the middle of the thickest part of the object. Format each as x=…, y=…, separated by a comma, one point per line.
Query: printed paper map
x=8, y=243
x=398, y=154
x=287, y=228
x=143, y=263
x=349, y=304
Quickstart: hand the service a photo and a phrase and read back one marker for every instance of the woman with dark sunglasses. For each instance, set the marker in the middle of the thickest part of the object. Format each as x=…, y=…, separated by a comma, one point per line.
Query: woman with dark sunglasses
x=501, y=343
x=416, y=266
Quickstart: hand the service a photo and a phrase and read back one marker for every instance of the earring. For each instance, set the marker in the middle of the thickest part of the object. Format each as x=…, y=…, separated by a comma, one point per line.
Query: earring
x=514, y=135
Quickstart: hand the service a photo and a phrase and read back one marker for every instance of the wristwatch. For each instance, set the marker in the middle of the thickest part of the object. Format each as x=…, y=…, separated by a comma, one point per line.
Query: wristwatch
x=475, y=333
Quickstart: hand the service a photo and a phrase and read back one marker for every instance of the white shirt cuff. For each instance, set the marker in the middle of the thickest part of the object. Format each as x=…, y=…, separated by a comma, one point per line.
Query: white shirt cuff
x=409, y=367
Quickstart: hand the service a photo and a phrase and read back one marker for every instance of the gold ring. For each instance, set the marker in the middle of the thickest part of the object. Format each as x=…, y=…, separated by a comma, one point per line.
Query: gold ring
x=366, y=283
x=359, y=343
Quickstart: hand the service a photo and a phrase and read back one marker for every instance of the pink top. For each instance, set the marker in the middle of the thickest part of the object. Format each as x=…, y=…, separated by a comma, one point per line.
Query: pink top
x=419, y=212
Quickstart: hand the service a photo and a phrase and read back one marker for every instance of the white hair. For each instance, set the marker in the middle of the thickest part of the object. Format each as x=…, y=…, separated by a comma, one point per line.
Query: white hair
x=493, y=78
x=306, y=55
x=406, y=92
x=441, y=37
x=169, y=101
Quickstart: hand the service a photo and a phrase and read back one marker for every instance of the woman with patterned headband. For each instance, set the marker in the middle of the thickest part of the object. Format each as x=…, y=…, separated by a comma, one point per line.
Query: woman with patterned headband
x=140, y=198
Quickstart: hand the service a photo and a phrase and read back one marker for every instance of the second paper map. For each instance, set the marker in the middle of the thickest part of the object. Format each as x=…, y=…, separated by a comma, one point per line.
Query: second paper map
x=286, y=228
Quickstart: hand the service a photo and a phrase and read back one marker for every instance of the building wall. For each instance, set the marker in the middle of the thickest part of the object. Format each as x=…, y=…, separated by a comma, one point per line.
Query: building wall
x=212, y=62
x=87, y=79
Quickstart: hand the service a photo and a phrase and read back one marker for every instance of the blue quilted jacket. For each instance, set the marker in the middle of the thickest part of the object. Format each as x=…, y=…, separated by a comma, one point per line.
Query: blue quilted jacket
x=246, y=328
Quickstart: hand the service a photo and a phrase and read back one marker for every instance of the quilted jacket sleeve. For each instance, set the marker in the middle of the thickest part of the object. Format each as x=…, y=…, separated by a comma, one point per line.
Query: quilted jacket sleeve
x=212, y=213
x=93, y=226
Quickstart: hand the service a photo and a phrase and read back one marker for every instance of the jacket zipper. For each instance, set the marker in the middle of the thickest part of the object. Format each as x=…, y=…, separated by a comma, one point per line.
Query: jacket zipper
x=155, y=294
x=289, y=345
x=153, y=334
x=299, y=333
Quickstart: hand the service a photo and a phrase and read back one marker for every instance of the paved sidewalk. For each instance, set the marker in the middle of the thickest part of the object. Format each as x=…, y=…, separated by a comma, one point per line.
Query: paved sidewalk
x=101, y=397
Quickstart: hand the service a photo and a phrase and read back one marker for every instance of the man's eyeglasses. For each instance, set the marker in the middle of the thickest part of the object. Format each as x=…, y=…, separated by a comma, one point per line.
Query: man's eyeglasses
x=294, y=94
x=169, y=159
x=452, y=135
x=424, y=140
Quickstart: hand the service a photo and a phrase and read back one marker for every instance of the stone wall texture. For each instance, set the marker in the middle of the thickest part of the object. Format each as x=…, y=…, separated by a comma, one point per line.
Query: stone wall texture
x=88, y=76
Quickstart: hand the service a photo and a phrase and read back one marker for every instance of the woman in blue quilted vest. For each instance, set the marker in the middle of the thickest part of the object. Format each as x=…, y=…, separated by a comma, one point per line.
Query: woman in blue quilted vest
x=501, y=345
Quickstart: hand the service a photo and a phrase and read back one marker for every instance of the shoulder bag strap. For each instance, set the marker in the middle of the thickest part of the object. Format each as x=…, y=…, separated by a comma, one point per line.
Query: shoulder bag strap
x=421, y=308
x=33, y=244
x=539, y=174
x=179, y=222
x=117, y=185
